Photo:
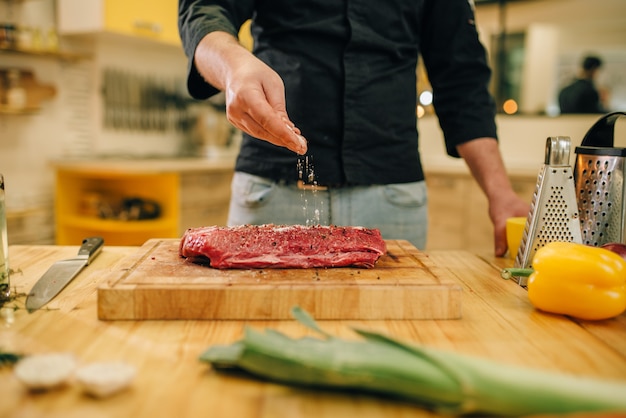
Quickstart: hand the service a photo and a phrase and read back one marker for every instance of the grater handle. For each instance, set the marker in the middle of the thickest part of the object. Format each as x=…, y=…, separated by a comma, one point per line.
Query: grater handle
x=557, y=151
x=602, y=132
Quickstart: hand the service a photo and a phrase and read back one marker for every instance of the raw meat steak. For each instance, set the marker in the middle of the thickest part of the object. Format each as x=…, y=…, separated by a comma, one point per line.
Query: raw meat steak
x=282, y=246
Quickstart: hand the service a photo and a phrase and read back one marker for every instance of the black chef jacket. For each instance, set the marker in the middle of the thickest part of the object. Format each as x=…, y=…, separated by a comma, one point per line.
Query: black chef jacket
x=350, y=80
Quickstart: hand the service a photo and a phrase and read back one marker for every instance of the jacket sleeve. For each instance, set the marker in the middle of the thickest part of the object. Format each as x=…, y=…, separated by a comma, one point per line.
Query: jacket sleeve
x=457, y=67
x=196, y=19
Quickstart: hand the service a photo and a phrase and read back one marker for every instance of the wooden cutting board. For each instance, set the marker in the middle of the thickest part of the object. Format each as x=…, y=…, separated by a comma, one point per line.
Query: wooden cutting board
x=155, y=283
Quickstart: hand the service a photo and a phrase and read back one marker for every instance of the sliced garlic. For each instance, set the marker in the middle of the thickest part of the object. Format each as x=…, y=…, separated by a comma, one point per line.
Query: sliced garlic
x=106, y=378
x=45, y=371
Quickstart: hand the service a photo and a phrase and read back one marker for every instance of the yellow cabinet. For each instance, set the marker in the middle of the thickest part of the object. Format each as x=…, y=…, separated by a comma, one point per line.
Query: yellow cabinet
x=149, y=19
x=91, y=202
x=90, y=198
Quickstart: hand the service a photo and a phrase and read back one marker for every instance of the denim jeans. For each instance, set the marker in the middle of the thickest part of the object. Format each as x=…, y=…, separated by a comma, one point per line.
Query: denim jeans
x=399, y=211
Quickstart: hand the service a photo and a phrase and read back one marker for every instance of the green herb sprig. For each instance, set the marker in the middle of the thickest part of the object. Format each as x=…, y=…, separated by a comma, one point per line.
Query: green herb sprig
x=9, y=359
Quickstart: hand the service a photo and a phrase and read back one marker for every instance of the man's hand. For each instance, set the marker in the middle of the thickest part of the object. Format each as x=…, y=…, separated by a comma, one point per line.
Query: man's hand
x=255, y=94
x=508, y=205
x=483, y=157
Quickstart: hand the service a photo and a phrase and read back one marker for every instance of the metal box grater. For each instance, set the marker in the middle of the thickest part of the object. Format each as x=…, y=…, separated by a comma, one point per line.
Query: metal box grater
x=553, y=213
x=599, y=177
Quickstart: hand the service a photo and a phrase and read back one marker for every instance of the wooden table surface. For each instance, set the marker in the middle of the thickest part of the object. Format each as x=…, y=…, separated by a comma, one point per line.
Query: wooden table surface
x=498, y=323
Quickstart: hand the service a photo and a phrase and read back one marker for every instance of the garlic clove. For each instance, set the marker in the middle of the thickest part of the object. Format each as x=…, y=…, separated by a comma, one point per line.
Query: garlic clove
x=105, y=378
x=45, y=371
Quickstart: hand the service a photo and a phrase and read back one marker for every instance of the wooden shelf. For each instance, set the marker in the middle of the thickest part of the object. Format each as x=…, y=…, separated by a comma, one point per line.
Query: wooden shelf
x=35, y=92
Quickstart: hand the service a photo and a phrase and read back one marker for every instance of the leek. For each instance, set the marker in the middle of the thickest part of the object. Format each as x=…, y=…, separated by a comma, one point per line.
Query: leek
x=442, y=381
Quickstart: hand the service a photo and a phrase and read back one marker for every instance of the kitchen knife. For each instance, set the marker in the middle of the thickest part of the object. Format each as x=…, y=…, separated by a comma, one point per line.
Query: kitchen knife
x=61, y=273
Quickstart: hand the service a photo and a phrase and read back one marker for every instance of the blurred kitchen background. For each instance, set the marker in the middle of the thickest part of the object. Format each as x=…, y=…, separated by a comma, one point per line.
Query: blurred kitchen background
x=97, y=129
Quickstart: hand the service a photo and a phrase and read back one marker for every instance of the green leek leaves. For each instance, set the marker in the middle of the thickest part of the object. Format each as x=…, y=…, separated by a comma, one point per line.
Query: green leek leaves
x=443, y=381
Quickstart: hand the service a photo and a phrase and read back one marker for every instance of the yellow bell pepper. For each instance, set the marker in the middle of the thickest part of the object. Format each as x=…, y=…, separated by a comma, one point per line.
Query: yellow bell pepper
x=578, y=280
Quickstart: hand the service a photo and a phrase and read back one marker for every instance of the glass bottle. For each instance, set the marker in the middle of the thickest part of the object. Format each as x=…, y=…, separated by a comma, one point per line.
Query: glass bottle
x=5, y=285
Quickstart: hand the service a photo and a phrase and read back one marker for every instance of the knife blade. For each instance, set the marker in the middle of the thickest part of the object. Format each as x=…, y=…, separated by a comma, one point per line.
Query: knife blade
x=61, y=273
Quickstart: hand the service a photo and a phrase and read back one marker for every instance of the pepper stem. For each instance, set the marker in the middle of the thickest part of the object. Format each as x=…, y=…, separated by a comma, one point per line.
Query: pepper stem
x=515, y=272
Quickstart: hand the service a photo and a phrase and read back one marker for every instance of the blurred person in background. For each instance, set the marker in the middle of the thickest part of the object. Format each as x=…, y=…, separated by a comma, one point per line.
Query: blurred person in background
x=582, y=95
x=343, y=75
